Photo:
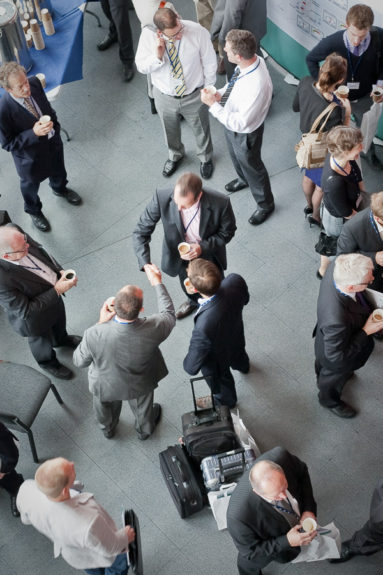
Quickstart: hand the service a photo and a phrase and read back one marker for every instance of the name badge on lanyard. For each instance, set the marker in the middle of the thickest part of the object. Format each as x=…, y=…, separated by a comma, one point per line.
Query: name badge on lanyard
x=353, y=85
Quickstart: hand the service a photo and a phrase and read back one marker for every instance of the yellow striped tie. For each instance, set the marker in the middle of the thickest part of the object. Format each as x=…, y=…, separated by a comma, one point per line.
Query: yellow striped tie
x=176, y=68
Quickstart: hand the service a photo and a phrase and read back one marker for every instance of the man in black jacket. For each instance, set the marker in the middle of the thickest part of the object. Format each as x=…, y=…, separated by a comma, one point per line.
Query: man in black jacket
x=218, y=340
x=10, y=480
x=267, y=509
x=364, y=234
x=343, y=334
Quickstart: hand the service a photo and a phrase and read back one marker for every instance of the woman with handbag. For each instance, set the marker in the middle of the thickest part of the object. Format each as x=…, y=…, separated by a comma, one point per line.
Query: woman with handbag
x=311, y=99
x=342, y=187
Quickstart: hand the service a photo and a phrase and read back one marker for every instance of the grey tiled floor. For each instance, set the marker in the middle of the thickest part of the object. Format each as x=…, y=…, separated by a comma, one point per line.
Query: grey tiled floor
x=115, y=160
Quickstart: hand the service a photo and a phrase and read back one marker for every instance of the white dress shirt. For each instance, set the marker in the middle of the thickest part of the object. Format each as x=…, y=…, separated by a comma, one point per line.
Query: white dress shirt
x=249, y=100
x=195, y=51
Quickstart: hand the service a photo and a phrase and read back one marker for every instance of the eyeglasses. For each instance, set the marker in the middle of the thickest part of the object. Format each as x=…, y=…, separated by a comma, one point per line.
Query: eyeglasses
x=19, y=251
x=181, y=29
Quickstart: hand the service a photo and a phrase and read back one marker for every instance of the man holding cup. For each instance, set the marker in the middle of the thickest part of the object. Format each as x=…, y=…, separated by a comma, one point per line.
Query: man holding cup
x=32, y=284
x=30, y=131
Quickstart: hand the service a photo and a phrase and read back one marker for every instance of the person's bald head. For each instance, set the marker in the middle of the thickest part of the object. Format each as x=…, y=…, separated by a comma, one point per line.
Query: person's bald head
x=128, y=302
x=268, y=480
x=55, y=476
x=13, y=243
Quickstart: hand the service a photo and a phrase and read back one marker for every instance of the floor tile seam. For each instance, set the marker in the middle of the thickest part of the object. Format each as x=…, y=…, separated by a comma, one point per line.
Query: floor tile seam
x=282, y=171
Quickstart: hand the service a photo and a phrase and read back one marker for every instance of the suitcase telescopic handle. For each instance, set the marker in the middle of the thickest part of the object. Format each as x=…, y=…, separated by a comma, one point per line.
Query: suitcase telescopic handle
x=208, y=379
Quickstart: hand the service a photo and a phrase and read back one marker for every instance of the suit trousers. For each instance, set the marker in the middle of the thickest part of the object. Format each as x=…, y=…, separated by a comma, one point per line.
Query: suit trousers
x=368, y=539
x=196, y=115
x=42, y=345
x=246, y=567
x=107, y=412
x=330, y=384
x=142, y=408
x=117, y=12
x=11, y=482
x=245, y=153
x=57, y=180
x=222, y=384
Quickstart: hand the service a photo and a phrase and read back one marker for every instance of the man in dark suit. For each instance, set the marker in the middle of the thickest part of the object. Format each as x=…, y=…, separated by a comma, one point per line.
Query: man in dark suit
x=343, y=334
x=31, y=286
x=266, y=511
x=201, y=217
x=36, y=145
x=218, y=340
x=364, y=234
x=10, y=480
x=368, y=539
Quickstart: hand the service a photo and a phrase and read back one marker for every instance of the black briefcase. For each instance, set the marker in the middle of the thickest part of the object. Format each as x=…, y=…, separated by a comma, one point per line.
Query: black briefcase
x=135, y=548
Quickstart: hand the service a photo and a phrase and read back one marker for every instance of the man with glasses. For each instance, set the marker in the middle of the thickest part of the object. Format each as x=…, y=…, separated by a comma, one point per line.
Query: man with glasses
x=31, y=289
x=181, y=60
x=343, y=334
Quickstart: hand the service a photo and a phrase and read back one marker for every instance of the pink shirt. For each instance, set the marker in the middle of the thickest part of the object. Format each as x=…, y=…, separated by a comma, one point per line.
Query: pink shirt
x=191, y=218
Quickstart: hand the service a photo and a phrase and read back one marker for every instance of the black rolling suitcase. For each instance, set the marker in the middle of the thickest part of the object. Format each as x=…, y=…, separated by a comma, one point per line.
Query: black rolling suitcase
x=208, y=431
x=135, y=548
x=181, y=480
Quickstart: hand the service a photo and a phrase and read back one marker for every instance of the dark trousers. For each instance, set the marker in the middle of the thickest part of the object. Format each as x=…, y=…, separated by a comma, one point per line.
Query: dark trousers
x=42, y=345
x=117, y=12
x=11, y=482
x=118, y=567
x=330, y=385
x=246, y=567
x=369, y=539
x=57, y=180
x=245, y=153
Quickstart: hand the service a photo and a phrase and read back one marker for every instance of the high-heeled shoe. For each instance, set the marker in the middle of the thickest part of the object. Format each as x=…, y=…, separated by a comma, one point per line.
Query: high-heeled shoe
x=312, y=221
x=307, y=210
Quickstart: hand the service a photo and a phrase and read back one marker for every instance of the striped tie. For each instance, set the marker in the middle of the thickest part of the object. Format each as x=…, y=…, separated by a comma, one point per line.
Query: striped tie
x=227, y=92
x=177, y=68
x=30, y=107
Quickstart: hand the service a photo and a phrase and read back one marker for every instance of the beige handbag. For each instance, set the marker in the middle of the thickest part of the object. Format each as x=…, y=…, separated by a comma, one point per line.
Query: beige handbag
x=312, y=150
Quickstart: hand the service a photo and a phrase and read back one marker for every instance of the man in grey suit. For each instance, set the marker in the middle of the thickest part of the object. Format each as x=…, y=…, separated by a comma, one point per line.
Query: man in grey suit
x=124, y=359
x=81, y=530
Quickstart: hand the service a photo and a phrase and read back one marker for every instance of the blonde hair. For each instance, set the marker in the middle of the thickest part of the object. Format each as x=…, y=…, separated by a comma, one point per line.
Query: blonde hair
x=342, y=139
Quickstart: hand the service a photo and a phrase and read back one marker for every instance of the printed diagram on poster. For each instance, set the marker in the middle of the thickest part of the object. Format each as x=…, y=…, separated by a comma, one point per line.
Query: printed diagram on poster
x=308, y=21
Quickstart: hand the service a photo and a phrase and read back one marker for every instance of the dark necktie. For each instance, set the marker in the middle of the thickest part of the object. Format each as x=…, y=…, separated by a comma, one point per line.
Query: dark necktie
x=362, y=300
x=283, y=506
x=30, y=107
x=227, y=92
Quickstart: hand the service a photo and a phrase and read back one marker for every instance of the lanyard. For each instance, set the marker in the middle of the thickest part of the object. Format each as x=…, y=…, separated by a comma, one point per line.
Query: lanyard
x=35, y=264
x=353, y=174
x=340, y=167
x=190, y=222
x=284, y=510
x=247, y=73
x=353, y=70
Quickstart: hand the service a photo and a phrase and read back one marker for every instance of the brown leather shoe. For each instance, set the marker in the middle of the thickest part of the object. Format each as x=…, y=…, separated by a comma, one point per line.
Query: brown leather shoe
x=186, y=309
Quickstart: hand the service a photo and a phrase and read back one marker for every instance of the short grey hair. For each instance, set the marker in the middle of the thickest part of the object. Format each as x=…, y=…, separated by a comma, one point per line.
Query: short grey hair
x=351, y=269
x=6, y=233
x=8, y=69
x=258, y=479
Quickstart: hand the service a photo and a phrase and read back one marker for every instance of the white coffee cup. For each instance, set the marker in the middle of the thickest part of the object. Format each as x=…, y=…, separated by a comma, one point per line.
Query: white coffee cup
x=183, y=248
x=42, y=79
x=309, y=524
x=69, y=275
x=343, y=91
x=188, y=286
x=377, y=315
x=211, y=90
x=377, y=93
x=110, y=303
x=45, y=119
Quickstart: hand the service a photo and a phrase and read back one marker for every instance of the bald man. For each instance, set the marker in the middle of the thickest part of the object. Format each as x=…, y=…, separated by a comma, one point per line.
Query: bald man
x=124, y=359
x=267, y=509
x=80, y=529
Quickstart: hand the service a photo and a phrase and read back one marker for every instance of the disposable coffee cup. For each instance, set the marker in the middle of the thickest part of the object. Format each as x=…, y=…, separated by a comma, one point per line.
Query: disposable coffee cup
x=309, y=524
x=45, y=119
x=377, y=315
x=183, y=248
x=343, y=91
x=188, y=286
x=110, y=303
x=377, y=93
x=69, y=274
x=211, y=90
x=42, y=79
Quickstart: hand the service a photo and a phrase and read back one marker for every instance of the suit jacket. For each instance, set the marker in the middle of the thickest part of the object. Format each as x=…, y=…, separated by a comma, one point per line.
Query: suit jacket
x=239, y=14
x=9, y=454
x=32, y=304
x=218, y=332
x=258, y=530
x=341, y=345
x=31, y=153
x=217, y=227
x=81, y=530
x=125, y=360
x=360, y=234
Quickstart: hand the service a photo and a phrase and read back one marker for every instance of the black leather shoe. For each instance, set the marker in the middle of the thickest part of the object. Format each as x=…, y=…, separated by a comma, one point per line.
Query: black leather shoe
x=109, y=433
x=72, y=341
x=345, y=553
x=259, y=216
x=40, y=222
x=57, y=370
x=127, y=73
x=186, y=309
x=343, y=410
x=70, y=195
x=107, y=42
x=15, y=511
x=236, y=185
x=206, y=170
x=170, y=167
